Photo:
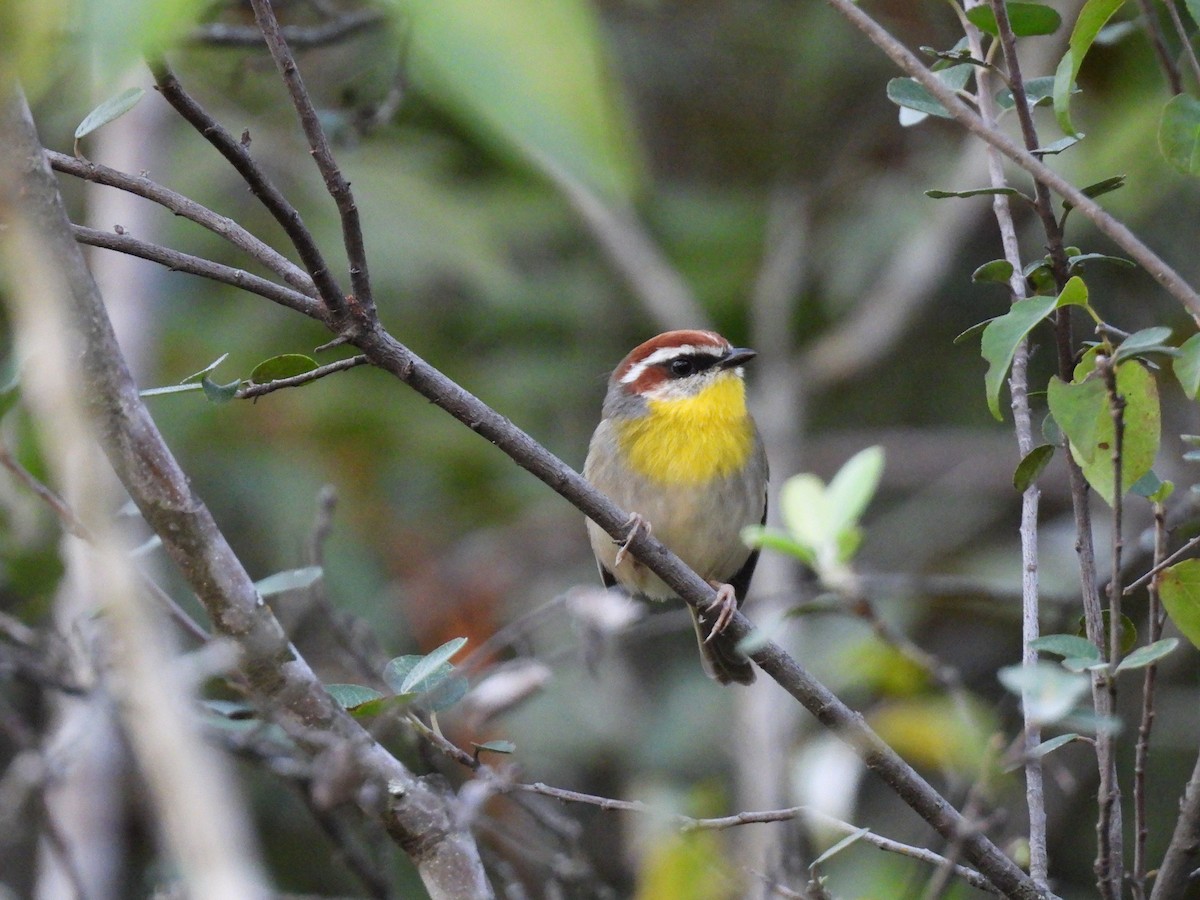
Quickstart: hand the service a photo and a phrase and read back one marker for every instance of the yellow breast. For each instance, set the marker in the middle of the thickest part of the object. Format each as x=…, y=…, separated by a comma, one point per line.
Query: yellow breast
x=691, y=440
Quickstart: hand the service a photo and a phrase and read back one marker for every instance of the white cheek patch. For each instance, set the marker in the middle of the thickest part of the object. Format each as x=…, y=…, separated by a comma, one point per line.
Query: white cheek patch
x=663, y=354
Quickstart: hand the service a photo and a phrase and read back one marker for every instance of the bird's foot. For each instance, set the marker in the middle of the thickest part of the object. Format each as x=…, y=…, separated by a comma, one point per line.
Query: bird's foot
x=635, y=524
x=724, y=605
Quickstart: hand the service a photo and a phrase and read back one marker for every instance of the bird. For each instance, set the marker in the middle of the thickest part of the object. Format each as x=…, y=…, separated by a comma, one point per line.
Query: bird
x=677, y=447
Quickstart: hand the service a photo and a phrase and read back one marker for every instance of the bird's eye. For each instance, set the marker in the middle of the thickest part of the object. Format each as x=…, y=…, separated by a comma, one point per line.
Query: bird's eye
x=682, y=367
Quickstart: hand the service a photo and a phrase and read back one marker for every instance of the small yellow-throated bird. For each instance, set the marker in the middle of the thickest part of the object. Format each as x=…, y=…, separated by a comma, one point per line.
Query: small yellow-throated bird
x=677, y=448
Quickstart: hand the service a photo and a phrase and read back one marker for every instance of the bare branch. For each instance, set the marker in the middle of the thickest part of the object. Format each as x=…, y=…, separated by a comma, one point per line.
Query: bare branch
x=335, y=183
x=189, y=209
x=238, y=155
x=219, y=34
x=177, y=261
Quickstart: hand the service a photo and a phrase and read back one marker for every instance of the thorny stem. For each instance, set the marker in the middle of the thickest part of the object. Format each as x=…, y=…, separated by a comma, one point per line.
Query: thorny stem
x=1154, y=626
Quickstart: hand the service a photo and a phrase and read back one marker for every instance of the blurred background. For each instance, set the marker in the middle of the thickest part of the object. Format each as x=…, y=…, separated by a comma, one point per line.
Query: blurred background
x=544, y=185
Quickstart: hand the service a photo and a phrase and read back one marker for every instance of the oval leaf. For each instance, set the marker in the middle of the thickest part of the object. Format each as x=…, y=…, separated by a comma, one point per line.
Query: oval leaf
x=1026, y=19
x=219, y=393
x=1179, y=587
x=1179, y=133
x=1000, y=340
x=1066, y=646
x=1092, y=17
x=288, y=365
x=110, y=109
x=998, y=270
x=1151, y=653
x=1048, y=691
x=431, y=662
x=852, y=488
x=1031, y=466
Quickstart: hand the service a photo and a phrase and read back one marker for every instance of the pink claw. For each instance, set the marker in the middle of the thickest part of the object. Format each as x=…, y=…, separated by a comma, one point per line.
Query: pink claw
x=636, y=523
x=725, y=604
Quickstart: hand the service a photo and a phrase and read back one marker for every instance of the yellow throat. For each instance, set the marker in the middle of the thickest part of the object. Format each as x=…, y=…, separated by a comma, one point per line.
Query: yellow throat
x=692, y=440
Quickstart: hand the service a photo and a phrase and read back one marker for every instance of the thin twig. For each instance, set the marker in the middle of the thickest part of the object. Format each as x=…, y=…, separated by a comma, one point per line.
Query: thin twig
x=1030, y=498
x=1185, y=40
x=220, y=34
x=178, y=261
x=690, y=823
x=238, y=155
x=1155, y=34
x=1159, y=566
x=223, y=226
x=56, y=503
x=1154, y=626
x=335, y=183
x=251, y=390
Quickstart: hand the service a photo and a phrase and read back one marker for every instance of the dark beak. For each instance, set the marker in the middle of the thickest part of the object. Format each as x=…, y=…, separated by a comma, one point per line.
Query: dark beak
x=736, y=357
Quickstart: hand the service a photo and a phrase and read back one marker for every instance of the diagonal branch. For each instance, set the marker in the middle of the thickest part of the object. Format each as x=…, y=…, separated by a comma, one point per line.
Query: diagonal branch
x=189, y=209
x=238, y=155
x=335, y=183
x=178, y=261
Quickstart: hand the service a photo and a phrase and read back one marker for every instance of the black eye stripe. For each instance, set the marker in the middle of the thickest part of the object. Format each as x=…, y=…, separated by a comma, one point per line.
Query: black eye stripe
x=690, y=364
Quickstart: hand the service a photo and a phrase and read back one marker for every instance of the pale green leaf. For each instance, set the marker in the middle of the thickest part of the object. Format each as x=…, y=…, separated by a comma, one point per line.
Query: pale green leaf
x=1179, y=587
x=804, y=508
x=1049, y=692
x=1186, y=366
x=1001, y=338
x=110, y=109
x=1145, y=656
x=1025, y=19
x=287, y=365
x=349, y=696
x=1179, y=133
x=431, y=662
x=852, y=488
x=1031, y=466
x=1092, y=17
x=1066, y=645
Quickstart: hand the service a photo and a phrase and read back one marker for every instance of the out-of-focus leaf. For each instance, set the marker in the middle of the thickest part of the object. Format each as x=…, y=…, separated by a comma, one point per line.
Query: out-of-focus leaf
x=771, y=539
x=531, y=76
x=975, y=192
x=1128, y=637
x=1049, y=692
x=291, y=580
x=170, y=389
x=1179, y=133
x=1092, y=17
x=287, y=365
x=430, y=663
x=1056, y=147
x=1080, y=260
x=1043, y=748
x=852, y=488
x=196, y=376
x=1026, y=19
x=935, y=733
x=1031, y=466
x=837, y=848
x=495, y=747
x=1179, y=586
x=349, y=696
x=1000, y=340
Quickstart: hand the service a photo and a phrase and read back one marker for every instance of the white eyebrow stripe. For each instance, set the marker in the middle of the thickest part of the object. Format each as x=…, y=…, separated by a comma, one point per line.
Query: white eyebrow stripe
x=662, y=354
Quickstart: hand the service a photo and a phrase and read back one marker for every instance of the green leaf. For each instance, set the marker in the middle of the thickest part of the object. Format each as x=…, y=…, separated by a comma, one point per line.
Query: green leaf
x=446, y=692
x=1179, y=133
x=170, y=389
x=1079, y=260
x=771, y=539
x=1146, y=486
x=1026, y=19
x=1067, y=646
x=975, y=192
x=1000, y=340
x=974, y=330
x=1029, y=468
x=1051, y=745
x=911, y=94
x=1193, y=8
x=220, y=393
x=289, y=580
x=348, y=696
x=1148, y=655
x=852, y=488
x=495, y=747
x=1056, y=147
x=1129, y=633
x=1050, y=693
x=1077, y=408
x=111, y=109
x=430, y=663
x=1179, y=587
x=288, y=365
x=1092, y=17
x=998, y=270
x=1100, y=188
x=1038, y=92
x=1186, y=366
x=1074, y=293
x=804, y=508
x=1148, y=340
x=533, y=79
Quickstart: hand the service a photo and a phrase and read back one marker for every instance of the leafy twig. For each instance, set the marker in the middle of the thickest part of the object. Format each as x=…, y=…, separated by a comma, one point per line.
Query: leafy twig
x=251, y=390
